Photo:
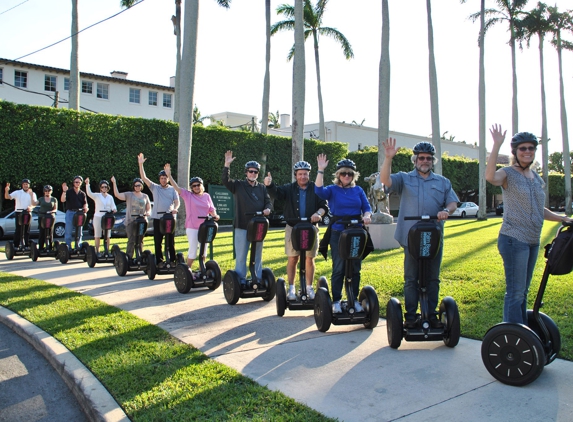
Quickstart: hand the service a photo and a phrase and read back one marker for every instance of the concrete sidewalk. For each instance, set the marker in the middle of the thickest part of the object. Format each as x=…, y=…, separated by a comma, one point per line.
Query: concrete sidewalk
x=348, y=373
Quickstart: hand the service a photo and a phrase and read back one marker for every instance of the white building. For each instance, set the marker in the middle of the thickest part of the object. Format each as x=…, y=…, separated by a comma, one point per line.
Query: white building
x=26, y=83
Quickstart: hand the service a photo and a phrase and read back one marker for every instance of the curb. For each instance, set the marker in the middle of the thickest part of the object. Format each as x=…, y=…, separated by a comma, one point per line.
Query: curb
x=96, y=402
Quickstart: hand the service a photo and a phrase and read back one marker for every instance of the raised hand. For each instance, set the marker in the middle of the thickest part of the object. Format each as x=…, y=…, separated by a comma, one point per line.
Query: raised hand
x=64, y=186
x=112, y=179
x=87, y=181
x=496, y=134
x=167, y=169
x=322, y=161
x=7, y=188
x=268, y=180
x=390, y=149
x=140, y=158
x=229, y=158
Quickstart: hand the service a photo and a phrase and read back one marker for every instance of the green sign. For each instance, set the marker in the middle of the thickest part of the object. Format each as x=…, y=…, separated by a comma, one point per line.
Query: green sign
x=223, y=201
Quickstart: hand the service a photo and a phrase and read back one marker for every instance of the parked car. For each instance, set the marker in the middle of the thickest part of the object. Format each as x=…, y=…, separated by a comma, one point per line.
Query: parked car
x=8, y=223
x=119, y=226
x=466, y=209
x=499, y=209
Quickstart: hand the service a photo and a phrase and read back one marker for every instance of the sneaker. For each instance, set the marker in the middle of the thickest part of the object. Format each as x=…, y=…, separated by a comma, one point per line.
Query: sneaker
x=358, y=307
x=161, y=264
x=310, y=292
x=99, y=255
x=291, y=295
x=410, y=323
x=336, y=309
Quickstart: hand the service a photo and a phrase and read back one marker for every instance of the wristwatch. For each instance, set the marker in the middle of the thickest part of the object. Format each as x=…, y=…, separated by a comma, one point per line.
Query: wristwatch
x=319, y=213
x=446, y=210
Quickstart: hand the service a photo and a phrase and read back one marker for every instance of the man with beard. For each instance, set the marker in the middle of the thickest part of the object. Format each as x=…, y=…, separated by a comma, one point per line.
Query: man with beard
x=422, y=192
x=24, y=197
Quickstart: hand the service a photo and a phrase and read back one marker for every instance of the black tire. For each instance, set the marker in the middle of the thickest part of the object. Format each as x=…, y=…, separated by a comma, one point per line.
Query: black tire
x=180, y=258
x=369, y=301
x=55, y=247
x=270, y=285
x=322, y=310
x=183, y=278
x=84, y=250
x=9, y=250
x=394, y=323
x=213, y=271
x=121, y=264
x=34, y=253
x=63, y=253
x=555, y=336
x=463, y=214
x=59, y=230
x=115, y=249
x=91, y=256
x=231, y=287
x=450, y=317
x=281, y=299
x=513, y=354
x=151, y=266
x=323, y=282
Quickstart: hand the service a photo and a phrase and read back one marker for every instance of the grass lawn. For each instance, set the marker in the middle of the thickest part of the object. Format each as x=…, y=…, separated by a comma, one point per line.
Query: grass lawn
x=156, y=377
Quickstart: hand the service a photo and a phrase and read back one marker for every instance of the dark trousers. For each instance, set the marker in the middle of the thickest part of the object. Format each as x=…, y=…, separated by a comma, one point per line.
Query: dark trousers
x=42, y=235
x=158, y=238
x=18, y=231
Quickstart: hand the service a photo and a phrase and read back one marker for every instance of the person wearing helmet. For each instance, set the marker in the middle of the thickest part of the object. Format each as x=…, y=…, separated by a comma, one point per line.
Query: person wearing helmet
x=422, y=192
x=345, y=199
x=523, y=215
x=25, y=198
x=137, y=203
x=103, y=203
x=165, y=200
x=300, y=202
x=250, y=197
x=48, y=204
x=197, y=203
x=75, y=200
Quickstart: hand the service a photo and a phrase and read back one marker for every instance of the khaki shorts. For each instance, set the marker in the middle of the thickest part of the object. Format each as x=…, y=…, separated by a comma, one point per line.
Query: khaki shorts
x=289, y=251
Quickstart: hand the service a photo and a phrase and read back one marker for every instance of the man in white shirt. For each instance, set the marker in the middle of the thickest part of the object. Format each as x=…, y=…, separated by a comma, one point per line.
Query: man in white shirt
x=24, y=199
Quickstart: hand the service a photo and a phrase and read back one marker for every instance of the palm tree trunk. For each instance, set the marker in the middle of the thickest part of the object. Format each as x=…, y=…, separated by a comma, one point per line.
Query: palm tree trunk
x=177, y=25
x=74, y=65
x=544, y=140
x=267, y=81
x=482, y=213
x=321, y=131
x=564, y=131
x=384, y=84
x=298, y=90
x=434, y=103
x=515, y=112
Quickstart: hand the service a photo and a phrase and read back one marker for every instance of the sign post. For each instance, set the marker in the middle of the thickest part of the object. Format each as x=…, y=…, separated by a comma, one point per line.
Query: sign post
x=225, y=206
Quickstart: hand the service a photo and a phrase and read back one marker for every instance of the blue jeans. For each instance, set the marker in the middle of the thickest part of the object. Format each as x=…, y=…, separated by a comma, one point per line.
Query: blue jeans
x=243, y=251
x=411, y=288
x=337, y=278
x=519, y=260
x=70, y=229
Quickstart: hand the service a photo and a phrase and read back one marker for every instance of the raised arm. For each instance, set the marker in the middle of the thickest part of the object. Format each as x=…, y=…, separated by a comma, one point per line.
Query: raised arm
x=492, y=175
x=141, y=159
x=322, y=164
x=118, y=195
x=64, y=190
x=390, y=151
x=89, y=189
x=33, y=199
x=167, y=169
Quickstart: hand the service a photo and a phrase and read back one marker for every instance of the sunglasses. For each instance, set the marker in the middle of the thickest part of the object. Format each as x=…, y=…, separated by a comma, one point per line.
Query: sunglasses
x=196, y=185
x=523, y=149
x=253, y=171
x=137, y=186
x=345, y=174
x=104, y=187
x=425, y=158
x=77, y=181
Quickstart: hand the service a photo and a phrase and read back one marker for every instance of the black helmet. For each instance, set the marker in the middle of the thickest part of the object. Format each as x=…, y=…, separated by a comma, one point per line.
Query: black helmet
x=162, y=173
x=346, y=163
x=103, y=182
x=195, y=180
x=137, y=179
x=302, y=165
x=522, y=138
x=252, y=165
x=78, y=177
x=48, y=188
x=26, y=181
x=426, y=147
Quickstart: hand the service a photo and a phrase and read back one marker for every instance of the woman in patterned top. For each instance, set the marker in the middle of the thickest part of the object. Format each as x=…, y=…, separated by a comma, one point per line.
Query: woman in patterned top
x=523, y=215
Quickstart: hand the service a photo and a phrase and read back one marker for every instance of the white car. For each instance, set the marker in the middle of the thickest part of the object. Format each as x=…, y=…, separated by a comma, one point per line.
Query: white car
x=466, y=209
x=8, y=223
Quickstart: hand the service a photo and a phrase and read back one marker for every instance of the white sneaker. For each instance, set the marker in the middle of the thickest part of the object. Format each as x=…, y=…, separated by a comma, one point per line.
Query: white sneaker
x=310, y=292
x=336, y=309
x=291, y=295
x=358, y=307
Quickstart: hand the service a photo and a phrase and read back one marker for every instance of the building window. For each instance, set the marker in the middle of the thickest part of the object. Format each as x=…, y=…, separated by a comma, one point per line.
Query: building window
x=134, y=95
x=20, y=79
x=152, y=98
x=87, y=87
x=66, y=84
x=167, y=100
x=49, y=83
x=102, y=91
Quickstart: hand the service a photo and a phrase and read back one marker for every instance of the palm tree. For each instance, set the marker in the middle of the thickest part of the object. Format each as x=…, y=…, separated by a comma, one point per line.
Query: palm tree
x=509, y=10
x=176, y=19
x=313, y=26
x=434, y=103
x=384, y=84
x=74, y=66
x=298, y=84
x=267, y=81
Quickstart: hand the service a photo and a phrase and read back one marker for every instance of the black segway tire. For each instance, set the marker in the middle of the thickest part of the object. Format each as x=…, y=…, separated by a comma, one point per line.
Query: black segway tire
x=9, y=251
x=183, y=278
x=213, y=272
x=270, y=285
x=91, y=256
x=322, y=310
x=63, y=253
x=555, y=336
x=84, y=250
x=180, y=258
x=450, y=317
x=115, y=249
x=55, y=247
x=231, y=287
x=34, y=253
x=369, y=301
x=513, y=354
x=323, y=282
x=281, y=298
x=151, y=266
x=121, y=264
x=394, y=323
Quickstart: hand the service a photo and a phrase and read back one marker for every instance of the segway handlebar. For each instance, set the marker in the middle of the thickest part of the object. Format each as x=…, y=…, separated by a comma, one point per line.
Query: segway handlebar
x=255, y=213
x=567, y=223
x=206, y=217
x=422, y=217
x=350, y=220
x=295, y=221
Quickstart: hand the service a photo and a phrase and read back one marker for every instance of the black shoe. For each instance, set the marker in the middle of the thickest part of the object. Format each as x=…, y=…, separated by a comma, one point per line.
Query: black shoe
x=436, y=323
x=410, y=323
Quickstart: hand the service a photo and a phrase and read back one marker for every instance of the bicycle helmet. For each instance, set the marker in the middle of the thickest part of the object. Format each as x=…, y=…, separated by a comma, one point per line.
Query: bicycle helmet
x=48, y=188
x=78, y=177
x=522, y=138
x=103, y=182
x=137, y=179
x=252, y=165
x=162, y=173
x=26, y=181
x=195, y=180
x=425, y=147
x=302, y=165
x=346, y=163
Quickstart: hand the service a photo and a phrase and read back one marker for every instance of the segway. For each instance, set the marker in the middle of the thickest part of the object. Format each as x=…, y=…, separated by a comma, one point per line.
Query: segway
x=254, y=286
x=303, y=239
x=143, y=260
x=209, y=274
x=45, y=222
x=424, y=242
x=515, y=354
x=108, y=256
x=24, y=219
x=167, y=228
x=350, y=247
x=80, y=250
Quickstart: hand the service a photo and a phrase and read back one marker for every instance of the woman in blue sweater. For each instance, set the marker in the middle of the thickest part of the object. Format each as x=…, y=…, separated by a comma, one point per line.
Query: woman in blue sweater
x=345, y=199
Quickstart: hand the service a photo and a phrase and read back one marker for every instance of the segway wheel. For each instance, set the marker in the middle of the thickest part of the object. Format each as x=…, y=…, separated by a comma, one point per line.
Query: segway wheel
x=513, y=354
x=183, y=278
x=151, y=267
x=55, y=247
x=115, y=249
x=450, y=317
x=369, y=300
x=34, y=251
x=323, y=282
x=84, y=250
x=213, y=272
x=394, y=323
x=322, y=310
x=554, y=335
x=270, y=285
x=281, y=299
x=91, y=256
x=121, y=264
x=180, y=258
x=231, y=287
x=63, y=253
x=9, y=251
